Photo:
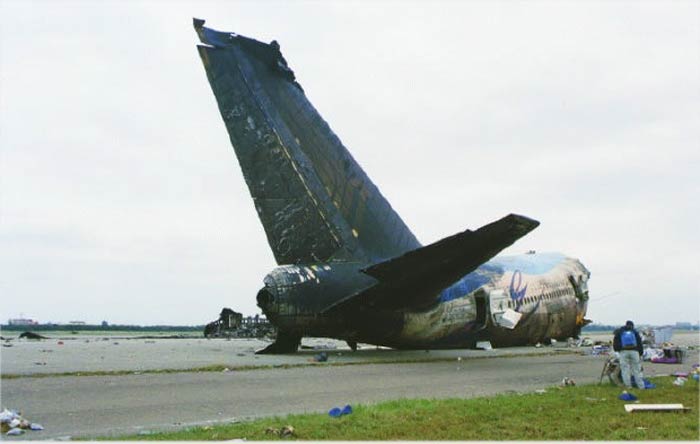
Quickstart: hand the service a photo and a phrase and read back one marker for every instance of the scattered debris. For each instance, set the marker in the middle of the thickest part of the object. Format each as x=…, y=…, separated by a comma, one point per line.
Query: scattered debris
x=659, y=336
x=12, y=423
x=540, y=391
x=284, y=432
x=568, y=382
x=60, y=343
x=601, y=349
x=631, y=408
x=611, y=369
x=626, y=396
x=321, y=357
x=337, y=412
x=39, y=363
x=670, y=355
x=680, y=381
x=232, y=324
x=31, y=335
x=287, y=431
x=484, y=345
x=7, y=344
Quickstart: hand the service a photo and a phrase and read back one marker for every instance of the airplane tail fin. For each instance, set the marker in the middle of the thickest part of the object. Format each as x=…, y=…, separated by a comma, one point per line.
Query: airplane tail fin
x=313, y=199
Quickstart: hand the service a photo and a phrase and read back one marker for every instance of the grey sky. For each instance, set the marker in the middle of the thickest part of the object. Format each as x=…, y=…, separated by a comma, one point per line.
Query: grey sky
x=121, y=198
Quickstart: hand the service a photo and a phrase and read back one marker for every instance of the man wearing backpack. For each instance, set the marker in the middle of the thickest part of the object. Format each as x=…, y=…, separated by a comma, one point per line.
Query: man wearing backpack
x=628, y=344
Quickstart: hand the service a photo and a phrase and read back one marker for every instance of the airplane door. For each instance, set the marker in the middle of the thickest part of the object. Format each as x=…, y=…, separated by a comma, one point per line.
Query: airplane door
x=498, y=303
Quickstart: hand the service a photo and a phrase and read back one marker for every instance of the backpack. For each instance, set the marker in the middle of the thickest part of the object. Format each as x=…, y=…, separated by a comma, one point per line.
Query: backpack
x=628, y=340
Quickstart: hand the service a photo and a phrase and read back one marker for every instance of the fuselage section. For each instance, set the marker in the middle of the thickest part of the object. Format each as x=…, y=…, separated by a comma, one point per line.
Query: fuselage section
x=546, y=292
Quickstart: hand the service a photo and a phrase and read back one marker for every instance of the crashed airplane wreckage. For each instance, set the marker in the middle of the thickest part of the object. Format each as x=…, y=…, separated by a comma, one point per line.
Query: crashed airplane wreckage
x=349, y=268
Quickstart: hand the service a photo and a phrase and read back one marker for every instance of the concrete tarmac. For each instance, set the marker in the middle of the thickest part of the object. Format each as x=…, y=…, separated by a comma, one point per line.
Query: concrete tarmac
x=91, y=406
x=90, y=353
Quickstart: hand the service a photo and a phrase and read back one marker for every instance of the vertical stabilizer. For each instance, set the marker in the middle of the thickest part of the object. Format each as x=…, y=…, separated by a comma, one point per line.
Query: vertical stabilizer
x=313, y=199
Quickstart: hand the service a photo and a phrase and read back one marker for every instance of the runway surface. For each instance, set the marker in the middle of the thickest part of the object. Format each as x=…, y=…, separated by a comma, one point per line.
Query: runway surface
x=84, y=406
x=90, y=353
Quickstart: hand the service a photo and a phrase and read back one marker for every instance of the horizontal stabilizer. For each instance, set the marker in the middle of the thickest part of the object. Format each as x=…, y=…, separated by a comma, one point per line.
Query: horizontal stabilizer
x=414, y=279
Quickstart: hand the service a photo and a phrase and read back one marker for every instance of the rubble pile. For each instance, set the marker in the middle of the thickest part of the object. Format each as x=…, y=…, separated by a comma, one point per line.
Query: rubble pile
x=232, y=324
x=12, y=423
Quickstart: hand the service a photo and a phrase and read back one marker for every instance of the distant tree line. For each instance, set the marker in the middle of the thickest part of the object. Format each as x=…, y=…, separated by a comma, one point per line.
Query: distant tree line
x=603, y=327
x=599, y=327
x=91, y=327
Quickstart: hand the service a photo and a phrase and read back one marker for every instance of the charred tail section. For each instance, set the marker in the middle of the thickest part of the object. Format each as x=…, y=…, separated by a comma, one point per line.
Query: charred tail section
x=314, y=201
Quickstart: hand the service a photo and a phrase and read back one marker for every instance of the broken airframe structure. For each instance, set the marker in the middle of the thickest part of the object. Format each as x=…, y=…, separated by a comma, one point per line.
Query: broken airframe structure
x=232, y=324
x=350, y=268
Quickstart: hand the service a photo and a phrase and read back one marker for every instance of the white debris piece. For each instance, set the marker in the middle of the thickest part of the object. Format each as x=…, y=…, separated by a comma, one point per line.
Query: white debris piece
x=652, y=407
x=509, y=318
x=6, y=416
x=662, y=334
x=13, y=423
x=484, y=345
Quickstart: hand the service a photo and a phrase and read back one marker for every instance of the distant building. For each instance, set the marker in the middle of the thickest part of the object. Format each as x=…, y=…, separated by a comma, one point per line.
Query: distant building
x=684, y=325
x=76, y=322
x=22, y=321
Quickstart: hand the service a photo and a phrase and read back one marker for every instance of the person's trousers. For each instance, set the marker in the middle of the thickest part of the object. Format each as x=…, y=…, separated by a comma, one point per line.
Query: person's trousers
x=631, y=364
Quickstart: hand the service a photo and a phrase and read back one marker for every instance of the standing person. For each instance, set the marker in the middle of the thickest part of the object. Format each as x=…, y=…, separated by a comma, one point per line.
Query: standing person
x=628, y=344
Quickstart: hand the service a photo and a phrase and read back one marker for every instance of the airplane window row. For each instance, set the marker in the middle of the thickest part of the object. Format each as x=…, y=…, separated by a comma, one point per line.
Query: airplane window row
x=548, y=296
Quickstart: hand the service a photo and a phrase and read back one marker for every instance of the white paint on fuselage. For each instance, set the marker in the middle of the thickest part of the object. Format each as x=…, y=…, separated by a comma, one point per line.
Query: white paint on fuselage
x=547, y=293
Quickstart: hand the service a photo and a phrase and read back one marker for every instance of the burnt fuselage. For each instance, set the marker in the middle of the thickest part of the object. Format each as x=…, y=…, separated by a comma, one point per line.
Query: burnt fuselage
x=548, y=291
x=356, y=271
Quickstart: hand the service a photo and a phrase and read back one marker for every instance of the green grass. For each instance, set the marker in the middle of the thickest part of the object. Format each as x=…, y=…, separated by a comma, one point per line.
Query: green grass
x=590, y=412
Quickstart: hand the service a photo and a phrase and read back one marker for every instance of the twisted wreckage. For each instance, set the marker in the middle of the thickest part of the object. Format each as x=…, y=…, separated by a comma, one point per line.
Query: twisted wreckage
x=349, y=268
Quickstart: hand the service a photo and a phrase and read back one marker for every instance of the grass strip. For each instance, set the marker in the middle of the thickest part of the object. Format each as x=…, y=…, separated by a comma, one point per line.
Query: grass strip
x=222, y=367
x=589, y=412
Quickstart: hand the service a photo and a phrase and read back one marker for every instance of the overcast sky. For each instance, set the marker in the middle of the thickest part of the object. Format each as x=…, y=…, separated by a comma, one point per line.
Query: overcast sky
x=121, y=198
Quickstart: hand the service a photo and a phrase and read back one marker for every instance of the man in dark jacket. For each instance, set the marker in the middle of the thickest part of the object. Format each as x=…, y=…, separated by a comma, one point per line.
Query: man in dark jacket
x=628, y=344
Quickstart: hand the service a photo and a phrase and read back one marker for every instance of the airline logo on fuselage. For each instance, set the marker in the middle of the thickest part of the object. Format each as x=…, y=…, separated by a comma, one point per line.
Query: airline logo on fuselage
x=516, y=293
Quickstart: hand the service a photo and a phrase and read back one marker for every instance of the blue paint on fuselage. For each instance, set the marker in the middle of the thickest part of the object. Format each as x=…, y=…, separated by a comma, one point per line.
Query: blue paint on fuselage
x=532, y=264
